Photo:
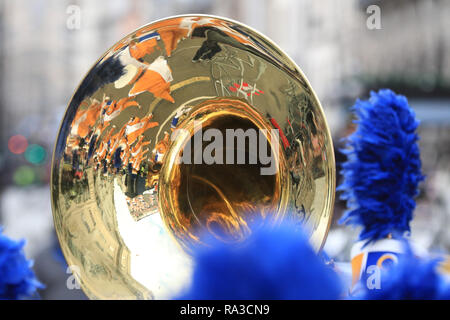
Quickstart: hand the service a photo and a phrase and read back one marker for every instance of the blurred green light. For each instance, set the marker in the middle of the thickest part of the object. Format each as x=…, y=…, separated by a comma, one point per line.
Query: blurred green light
x=35, y=154
x=24, y=175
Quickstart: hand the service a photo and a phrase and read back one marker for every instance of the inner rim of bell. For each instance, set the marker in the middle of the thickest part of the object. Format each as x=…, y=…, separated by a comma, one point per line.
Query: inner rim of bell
x=223, y=200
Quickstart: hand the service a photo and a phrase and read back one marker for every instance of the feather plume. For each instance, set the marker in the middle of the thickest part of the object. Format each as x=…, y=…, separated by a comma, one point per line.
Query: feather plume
x=17, y=280
x=271, y=264
x=383, y=168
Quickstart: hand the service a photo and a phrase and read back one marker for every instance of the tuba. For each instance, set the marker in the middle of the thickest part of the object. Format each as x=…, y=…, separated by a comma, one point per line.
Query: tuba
x=190, y=126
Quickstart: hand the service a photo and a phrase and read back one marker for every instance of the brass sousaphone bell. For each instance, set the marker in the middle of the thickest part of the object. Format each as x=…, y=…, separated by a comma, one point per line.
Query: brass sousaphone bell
x=133, y=183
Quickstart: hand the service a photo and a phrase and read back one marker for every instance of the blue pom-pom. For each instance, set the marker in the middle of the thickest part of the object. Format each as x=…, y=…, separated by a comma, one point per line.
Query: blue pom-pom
x=383, y=168
x=17, y=280
x=271, y=264
x=411, y=279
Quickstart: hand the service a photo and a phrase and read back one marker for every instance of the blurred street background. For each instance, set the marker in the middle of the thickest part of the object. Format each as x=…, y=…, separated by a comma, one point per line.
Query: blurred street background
x=47, y=46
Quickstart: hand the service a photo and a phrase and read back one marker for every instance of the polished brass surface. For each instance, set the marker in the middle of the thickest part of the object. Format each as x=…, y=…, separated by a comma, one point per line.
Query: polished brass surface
x=127, y=209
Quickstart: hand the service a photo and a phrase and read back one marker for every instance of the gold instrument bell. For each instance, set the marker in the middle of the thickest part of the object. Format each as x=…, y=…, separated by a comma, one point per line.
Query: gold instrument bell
x=190, y=126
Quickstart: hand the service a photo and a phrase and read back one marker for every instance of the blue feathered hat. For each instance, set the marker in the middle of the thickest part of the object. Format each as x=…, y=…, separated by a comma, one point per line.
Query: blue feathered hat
x=17, y=280
x=383, y=168
x=271, y=264
x=412, y=278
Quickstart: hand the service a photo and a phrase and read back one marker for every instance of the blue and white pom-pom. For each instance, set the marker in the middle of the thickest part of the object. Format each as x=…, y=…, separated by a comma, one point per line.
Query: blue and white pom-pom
x=17, y=280
x=412, y=278
x=271, y=264
x=383, y=168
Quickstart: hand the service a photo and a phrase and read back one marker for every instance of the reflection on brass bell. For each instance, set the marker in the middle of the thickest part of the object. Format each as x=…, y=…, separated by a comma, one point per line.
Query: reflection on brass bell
x=189, y=126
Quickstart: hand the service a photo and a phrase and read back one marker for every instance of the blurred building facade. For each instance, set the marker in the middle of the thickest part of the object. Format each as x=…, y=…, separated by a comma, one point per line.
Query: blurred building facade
x=411, y=50
x=44, y=58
